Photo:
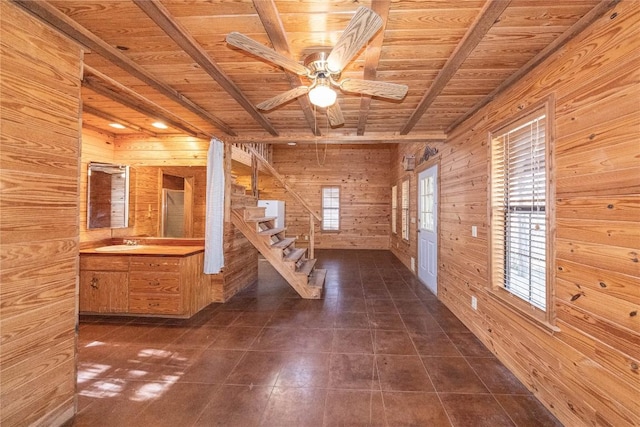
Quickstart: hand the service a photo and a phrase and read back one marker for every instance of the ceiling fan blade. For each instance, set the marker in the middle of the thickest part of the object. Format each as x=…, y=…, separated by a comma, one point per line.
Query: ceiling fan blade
x=277, y=100
x=248, y=44
x=375, y=88
x=334, y=113
x=364, y=24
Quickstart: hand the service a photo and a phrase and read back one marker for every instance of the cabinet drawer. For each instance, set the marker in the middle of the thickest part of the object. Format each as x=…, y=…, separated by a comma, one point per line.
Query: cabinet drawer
x=143, y=263
x=155, y=304
x=154, y=282
x=104, y=262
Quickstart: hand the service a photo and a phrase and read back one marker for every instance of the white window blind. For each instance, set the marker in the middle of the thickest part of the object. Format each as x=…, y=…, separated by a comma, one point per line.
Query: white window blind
x=405, y=210
x=330, y=208
x=394, y=209
x=519, y=182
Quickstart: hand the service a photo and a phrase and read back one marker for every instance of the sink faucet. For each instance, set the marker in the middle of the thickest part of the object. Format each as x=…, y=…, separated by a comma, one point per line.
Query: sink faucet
x=130, y=242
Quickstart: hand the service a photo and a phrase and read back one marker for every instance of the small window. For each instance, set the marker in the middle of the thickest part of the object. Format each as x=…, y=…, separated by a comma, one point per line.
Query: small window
x=394, y=209
x=405, y=209
x=330, y=208
x=427, y=203
x=520, y=245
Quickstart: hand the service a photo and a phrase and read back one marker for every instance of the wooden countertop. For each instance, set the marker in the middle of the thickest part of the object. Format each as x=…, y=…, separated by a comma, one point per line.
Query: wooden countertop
x=154, y=250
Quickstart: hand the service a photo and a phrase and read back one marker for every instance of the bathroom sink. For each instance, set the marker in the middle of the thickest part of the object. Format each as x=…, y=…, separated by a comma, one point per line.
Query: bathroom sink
x=118, y=248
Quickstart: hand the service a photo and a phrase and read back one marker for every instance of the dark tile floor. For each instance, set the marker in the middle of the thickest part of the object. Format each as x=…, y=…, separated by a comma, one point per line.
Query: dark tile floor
x=379, y=349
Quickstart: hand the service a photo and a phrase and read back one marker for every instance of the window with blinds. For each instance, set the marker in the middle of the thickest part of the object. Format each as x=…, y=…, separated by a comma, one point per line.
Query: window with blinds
x=405, y=210
x=330, y=208
x=394, y=209
x=519, y=177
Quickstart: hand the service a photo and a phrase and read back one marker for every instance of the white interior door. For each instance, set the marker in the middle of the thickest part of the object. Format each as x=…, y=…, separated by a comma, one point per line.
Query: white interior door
x=428, y=228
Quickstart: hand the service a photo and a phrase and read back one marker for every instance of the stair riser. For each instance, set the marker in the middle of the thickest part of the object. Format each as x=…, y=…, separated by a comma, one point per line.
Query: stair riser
x=252, y=212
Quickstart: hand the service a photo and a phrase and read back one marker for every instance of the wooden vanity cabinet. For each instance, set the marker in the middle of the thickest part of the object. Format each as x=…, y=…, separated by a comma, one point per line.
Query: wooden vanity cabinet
x=104, y=284
x=172, y=286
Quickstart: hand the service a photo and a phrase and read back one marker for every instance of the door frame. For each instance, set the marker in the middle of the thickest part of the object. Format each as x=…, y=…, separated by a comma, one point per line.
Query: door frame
x=419, y=169
x=189, y=181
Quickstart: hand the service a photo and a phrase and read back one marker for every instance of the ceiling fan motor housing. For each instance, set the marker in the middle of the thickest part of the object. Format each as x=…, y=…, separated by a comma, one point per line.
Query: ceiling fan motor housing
x=317, y=65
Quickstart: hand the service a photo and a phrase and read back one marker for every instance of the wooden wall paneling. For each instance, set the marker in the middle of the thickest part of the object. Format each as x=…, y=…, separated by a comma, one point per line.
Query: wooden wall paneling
x=39, y=174
x=362, y=172
x=586, y=373
x=170, y=150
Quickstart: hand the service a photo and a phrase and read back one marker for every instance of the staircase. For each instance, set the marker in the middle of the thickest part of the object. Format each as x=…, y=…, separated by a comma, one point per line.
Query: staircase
x=291, y=262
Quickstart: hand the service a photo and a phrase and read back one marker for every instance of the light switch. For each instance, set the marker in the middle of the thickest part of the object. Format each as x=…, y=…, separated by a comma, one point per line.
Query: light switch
x=474, y=231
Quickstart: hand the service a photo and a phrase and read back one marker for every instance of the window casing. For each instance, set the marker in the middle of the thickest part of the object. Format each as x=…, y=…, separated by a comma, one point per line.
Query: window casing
x=394, y=209
x=405, y=210
x=521, y=261
x=331, y=208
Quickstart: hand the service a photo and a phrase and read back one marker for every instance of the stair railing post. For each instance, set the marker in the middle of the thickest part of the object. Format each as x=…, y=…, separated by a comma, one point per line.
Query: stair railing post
x=311, y=236
x=254, y=175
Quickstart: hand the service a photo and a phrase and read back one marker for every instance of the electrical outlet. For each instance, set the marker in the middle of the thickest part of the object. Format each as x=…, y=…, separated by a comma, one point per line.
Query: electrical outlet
x=306, y=237
x=413, y=264
x=474, y=302
x=474, y=231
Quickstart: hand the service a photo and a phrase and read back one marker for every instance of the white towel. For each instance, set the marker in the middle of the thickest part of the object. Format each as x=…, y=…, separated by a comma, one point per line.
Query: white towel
x=214, y=227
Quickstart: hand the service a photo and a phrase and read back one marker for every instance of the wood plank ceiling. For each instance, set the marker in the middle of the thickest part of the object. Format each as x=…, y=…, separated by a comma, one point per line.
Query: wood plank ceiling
x=169, y=61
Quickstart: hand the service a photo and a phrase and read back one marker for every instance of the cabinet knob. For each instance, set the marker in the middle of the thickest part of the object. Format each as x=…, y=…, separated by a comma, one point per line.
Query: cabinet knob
x=94, y=283
x=155, y=283
x=154, y=304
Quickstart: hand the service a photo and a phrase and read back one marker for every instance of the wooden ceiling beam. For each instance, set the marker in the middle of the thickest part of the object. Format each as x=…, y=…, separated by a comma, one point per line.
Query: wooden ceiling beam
x=487, y=17
x=75, y=31
x=369, y=138
x=106, y=86
x=103, y=115
x=268, y=13
x=372, y=58
x=161, y=16
x=588, y=19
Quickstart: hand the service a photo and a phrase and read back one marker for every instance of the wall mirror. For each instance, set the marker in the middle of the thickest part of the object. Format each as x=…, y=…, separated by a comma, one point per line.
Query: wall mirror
x=108, y=195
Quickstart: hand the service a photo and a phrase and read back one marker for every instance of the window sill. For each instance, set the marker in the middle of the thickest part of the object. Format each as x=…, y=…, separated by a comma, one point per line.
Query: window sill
x=524, y=310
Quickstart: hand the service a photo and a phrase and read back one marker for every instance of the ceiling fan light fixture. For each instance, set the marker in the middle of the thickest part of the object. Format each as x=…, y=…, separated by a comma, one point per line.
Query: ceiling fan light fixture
x=322, y=96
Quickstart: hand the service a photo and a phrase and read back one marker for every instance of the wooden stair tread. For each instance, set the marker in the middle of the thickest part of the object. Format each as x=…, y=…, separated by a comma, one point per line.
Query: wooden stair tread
x=284, y=243
x=316, y=280
x=307, y=267
x=295, y=254
x=271, y=232
x=262, y=219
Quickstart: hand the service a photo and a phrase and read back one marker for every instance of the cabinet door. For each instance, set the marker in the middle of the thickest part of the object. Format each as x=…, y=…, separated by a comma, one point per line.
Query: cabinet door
x=104, y=292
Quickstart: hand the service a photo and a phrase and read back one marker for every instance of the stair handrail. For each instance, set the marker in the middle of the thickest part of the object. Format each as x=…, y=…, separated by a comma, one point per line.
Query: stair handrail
x=312, y=215
x=282, y=181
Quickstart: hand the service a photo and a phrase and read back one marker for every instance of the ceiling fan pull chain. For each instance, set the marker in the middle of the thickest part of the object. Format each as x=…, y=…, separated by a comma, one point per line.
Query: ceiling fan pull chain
x=315, y=124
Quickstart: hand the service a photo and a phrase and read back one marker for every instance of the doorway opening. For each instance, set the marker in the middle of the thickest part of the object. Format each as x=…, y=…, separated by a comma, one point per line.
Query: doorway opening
x=176, y=210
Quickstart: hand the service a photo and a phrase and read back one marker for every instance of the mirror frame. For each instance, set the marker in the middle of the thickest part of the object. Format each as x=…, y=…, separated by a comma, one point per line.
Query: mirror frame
x=96, y=166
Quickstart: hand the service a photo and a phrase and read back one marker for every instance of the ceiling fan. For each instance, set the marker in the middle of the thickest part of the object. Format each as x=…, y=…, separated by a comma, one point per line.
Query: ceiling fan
x=324, y=69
